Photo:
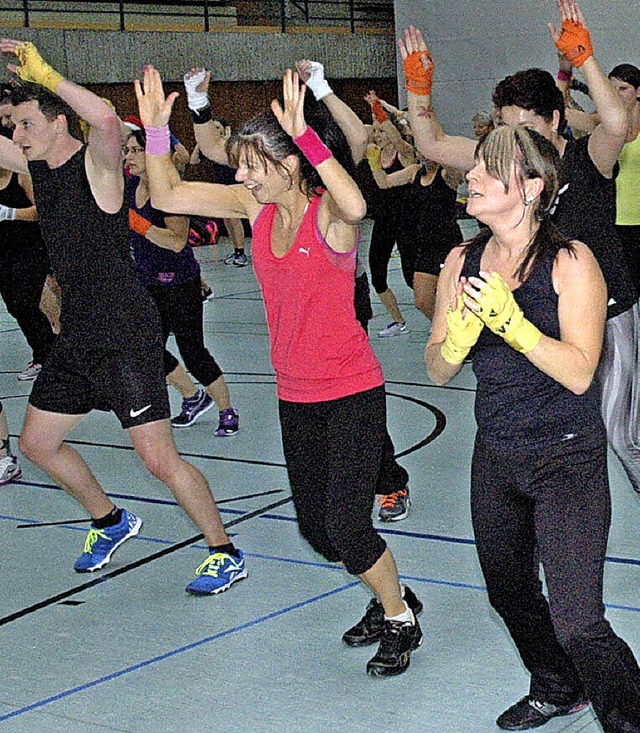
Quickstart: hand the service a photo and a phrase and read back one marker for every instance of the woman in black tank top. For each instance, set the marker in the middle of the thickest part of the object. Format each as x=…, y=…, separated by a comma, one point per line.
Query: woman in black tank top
x=530, y=308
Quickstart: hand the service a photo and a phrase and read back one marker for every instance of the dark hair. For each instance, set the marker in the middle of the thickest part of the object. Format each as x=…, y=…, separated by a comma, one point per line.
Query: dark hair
x=263, y=138
x=534, y=90
x=140, y=137
x=530, y=155
x=628, y=73
x=222, y=120
x=49, y=103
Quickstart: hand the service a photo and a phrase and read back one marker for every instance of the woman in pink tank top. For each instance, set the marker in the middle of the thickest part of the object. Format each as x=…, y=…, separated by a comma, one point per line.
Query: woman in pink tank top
x=304, y=209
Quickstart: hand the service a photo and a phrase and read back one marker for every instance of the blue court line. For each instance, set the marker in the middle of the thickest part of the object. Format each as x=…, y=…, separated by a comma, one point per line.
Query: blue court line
x=287, y=518
x=173, y=653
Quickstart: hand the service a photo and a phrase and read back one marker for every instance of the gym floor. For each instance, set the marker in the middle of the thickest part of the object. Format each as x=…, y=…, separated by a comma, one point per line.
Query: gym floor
x=126, y=649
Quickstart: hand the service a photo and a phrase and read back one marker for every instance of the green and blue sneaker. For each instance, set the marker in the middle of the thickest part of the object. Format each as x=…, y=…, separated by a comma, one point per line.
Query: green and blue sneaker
x=100, y=544
x=217, y=573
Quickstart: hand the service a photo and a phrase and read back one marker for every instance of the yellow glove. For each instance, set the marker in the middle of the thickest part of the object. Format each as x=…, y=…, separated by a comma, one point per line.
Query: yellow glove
x=463, y=330
x=35, y=69
x=500, y=313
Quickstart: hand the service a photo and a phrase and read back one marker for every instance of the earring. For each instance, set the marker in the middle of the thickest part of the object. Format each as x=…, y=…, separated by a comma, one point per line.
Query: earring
x=528, y=200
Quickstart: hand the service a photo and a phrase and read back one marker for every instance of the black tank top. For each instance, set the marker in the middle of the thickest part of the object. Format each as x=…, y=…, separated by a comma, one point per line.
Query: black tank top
x=517, y=405
x=19, y=238
x=429, y=211
x=103, y=298
x=586, y=211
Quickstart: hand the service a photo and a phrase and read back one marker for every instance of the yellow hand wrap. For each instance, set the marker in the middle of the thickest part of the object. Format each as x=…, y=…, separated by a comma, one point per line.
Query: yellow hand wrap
x=35, y=69
x=502, y=315
x=463, y=330
x=373, y=156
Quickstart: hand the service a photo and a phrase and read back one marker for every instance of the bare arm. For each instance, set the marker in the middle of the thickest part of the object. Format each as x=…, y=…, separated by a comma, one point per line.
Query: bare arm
x=312, y=74
x=172, y=236
x=608, y=137
x=168, y=192
x=11, y=157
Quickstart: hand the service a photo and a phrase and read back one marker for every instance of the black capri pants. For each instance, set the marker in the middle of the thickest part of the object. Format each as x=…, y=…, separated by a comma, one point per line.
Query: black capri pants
x=180, y=309
x=333, y=451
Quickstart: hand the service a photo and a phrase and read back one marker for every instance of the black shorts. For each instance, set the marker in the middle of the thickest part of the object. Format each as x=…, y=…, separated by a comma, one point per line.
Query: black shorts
x=127, y=378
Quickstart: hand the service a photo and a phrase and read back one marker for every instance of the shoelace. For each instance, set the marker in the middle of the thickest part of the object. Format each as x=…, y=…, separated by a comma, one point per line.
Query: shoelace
x=93, y=536
x=212, y=565
x=388, y=500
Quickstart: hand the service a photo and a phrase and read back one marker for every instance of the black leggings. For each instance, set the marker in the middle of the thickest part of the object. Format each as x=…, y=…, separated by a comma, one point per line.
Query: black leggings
x=555, y=505
x=180, y=309
x=21, y=281
x=333, y=451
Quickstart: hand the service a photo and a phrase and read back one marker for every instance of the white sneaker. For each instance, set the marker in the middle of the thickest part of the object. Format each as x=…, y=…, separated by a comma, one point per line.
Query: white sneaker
x=30, y=372
x=9, y=469
x=393, y=329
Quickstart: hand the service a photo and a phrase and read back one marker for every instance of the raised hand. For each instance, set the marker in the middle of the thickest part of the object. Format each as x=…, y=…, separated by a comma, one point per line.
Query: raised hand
x=291, y=116
x=196, y=84
x=417, y=61
x=573, y=39
x=311, y=73
x=32, y=67
x=154, y=108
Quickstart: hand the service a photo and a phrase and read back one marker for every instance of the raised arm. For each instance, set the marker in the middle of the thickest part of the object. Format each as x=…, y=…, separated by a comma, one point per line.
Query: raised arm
x=212, y=144
x=386, y=180
x=11, y=157
x=343, y=199
x=429, y=137
x=356, y=132
x=574, y=42
x=168, y=192
x=105, y=143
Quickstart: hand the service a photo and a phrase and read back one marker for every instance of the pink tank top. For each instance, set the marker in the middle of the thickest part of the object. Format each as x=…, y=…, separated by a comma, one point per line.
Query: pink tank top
x=319, y=351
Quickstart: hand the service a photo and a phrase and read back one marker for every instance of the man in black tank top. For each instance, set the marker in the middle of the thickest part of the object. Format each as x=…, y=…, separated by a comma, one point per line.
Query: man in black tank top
x=109, y=352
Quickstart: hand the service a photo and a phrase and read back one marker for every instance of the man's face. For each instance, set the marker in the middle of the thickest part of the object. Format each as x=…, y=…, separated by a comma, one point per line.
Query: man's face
x=34, y=133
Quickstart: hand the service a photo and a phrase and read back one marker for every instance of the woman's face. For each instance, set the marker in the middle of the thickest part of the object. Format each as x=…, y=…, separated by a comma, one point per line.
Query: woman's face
x=628, y=93
x=488, y=200
x=480, y=129
x=267, y=186
x=134, y=158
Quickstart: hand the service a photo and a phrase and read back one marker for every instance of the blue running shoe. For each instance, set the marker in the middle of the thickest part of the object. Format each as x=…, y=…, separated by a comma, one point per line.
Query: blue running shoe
x=217, y=573
x=102, y=543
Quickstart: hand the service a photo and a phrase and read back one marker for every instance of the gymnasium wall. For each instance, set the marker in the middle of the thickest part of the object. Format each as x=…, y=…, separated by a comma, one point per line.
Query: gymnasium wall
x=476, y=44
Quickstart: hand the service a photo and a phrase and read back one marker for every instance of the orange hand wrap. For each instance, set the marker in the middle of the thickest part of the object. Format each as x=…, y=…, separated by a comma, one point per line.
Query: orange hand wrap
x=575, y=42
x=379, y=112
x=138, y=223
x=417, y=78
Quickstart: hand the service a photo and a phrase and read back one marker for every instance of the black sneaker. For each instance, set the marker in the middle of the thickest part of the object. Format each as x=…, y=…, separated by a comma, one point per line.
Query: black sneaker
x=398, y=640
x=529, y=713
x=370, y=627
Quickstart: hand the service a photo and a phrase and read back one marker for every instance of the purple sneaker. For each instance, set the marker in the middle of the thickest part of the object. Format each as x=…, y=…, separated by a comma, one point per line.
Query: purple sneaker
x=229, y=423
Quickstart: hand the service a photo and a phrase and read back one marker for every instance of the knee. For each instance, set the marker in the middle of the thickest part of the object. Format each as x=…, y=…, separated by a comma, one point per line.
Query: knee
x=162, y=466
x=34, y=450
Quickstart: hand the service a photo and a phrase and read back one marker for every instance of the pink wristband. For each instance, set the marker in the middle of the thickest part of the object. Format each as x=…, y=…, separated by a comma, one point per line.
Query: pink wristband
x=311, y=145
x=564, y=75
x=158, y=140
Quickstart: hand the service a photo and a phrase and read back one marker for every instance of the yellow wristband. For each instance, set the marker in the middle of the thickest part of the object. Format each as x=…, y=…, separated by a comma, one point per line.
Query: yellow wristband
x=524, y=338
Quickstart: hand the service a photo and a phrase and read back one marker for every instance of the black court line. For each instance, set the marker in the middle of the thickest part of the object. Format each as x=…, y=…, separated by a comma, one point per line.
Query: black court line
x=85, y=520
x=441, y=423
x=134, y=565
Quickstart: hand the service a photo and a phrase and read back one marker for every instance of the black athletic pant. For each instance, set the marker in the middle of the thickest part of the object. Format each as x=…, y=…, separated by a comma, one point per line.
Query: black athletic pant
x=180, y=309
x=21, y=281
x=393, y=477
x=333, y=451
x=555, y=505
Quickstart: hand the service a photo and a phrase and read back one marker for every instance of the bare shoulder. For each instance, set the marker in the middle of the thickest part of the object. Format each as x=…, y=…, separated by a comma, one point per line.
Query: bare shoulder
x=576, y=267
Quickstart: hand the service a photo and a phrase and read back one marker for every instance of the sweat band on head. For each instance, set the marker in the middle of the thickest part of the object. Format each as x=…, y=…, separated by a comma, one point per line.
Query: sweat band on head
x=314, y=150
x=158, y=140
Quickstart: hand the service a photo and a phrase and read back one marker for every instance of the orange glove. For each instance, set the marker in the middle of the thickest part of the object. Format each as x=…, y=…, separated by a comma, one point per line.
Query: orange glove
x=575, y=42
x=138, y=223
x=417, y=78
x=379, y=112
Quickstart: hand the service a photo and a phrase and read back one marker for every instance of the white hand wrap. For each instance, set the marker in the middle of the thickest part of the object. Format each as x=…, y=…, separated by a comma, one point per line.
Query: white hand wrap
x=196, y=100
x=316, y=82
x=7, y=213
